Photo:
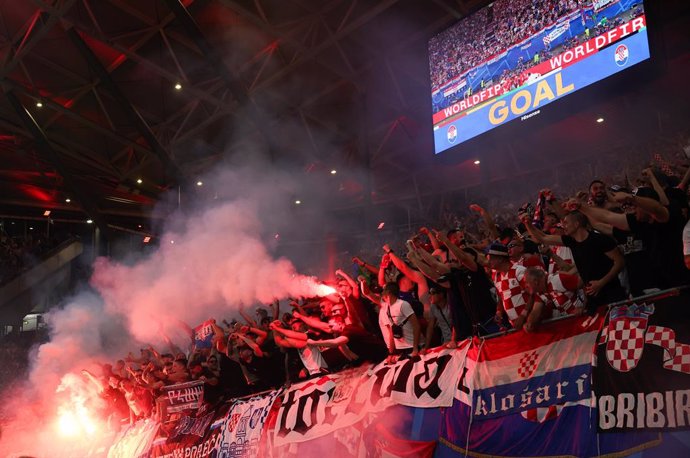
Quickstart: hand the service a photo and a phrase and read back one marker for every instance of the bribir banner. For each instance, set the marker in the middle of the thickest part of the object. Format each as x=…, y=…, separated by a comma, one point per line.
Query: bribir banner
x=642, y=376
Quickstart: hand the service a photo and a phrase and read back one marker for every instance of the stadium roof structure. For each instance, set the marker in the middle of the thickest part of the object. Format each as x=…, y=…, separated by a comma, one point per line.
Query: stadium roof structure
x=99, y=94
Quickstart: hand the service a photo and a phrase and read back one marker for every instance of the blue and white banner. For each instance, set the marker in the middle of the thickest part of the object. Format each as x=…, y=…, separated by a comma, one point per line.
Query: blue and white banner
x=244, y=424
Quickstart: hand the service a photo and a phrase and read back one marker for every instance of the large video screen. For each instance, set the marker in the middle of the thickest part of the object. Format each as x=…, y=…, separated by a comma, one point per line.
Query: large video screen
x=514, y=56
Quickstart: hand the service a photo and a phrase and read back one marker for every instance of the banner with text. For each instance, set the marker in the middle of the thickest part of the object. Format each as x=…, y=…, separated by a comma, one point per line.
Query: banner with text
x=320, y=406
x=183, y=396
x=522, y=371
x=642, y=376
x=244, y=425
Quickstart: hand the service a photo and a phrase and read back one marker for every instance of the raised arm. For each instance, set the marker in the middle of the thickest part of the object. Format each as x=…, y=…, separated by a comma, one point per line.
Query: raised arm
x=330, y=343
x=465, y=258
x=95, y=380
x=313, y=322
x=385, y=260
x=350, y=281
x=538, y=235
x=366, y=292
x=439, y=267
x=365, y=265
x=488, y=220
x=413, y=274
x=663, y=198
x=251, y=344
x=286, y=342
x=651, y=206
x=250, y=321
x=434, y=242
x=289, y=333
x=431, y=273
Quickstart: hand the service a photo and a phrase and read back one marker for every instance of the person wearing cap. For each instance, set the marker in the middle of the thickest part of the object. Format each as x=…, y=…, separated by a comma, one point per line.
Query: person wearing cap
x=658, y=228
x=597, y=257
x=396, y=314
x=514, y=300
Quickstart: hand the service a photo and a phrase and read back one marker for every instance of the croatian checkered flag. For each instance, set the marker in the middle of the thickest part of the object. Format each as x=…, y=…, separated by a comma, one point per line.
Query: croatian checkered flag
x=538, y=217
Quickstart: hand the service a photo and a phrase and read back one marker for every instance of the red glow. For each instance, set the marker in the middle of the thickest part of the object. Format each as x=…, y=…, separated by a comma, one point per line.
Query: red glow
x=36, y=193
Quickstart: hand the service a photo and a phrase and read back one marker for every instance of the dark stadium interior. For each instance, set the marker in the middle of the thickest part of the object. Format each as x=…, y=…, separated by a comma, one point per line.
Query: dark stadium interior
x=366, y=108
x=211, y=205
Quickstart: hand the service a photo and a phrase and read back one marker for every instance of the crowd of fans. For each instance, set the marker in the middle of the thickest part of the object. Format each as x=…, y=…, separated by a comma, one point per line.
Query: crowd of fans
x=459, y=49
x=555, y=257
x=20, y=253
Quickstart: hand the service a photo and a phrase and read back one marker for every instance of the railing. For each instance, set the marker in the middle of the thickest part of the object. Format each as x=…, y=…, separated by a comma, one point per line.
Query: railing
x=662, y=294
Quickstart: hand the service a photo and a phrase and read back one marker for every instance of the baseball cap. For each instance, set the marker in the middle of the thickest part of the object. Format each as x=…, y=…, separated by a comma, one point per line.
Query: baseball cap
x=644, y=191
x=498, y=249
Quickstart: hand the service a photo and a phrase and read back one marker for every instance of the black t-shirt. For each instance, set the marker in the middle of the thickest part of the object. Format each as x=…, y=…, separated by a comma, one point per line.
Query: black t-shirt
x=638, y=261
x=666, y=246
x=590, y=255
x=364, y=344
x=232, y=381
x=593, y=264
x=475, y=289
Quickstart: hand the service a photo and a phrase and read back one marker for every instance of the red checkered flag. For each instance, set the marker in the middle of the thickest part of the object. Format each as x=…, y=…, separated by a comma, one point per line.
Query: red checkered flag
x=624, y=336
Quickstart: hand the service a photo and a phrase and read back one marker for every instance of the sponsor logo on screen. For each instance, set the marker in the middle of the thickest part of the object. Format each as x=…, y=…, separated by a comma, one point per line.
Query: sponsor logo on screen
x=621, y=55
x=452, y=133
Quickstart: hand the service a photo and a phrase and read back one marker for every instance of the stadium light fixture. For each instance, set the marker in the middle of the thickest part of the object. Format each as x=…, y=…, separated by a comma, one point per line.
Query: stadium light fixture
x=199, y=183
x=178, y=87
x=68, y=200
x=46, y=213
x=39, y=104
x=298, y=202
x=477, y=162
x=139, y=181
x=147, y=239
x=600, y=120
x=334, y=171
x=89, y=221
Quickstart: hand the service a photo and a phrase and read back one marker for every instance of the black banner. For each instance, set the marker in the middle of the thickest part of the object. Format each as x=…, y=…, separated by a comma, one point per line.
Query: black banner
x=642, y=374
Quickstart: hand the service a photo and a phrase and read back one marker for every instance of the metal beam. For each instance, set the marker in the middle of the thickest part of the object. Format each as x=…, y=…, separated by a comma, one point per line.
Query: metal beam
x=44, y=23
x=343, y=32
x=131, y=112
x=43, y=144
x=215, y=59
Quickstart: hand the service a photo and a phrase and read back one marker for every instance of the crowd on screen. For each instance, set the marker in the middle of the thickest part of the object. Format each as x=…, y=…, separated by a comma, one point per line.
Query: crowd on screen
x=514, y=268
x=459, y=49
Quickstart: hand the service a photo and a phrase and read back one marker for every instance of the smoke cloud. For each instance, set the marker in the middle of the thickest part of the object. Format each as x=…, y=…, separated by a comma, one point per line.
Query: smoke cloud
x=212, y=259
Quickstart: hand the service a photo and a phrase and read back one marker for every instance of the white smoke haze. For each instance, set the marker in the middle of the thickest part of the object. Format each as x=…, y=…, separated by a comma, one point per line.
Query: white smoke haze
x=211, y=261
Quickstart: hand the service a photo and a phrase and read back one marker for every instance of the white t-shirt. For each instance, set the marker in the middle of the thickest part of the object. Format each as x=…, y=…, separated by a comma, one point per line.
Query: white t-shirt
x=312, y=359
x=686, y=239
x=399, y=311
x=443, y=320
